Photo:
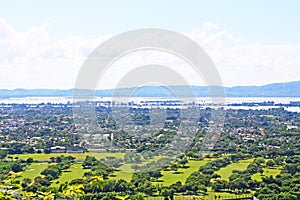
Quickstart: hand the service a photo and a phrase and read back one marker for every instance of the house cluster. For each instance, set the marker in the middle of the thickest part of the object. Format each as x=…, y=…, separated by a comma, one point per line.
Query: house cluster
x=248, y=133
x=292, y=127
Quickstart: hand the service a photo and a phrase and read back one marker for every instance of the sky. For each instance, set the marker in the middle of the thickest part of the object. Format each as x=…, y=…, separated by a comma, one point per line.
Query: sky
x=43, y=44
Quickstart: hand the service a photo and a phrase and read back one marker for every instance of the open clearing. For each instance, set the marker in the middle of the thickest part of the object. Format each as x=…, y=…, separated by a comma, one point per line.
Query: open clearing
x=76, y=171
x=227, y=171
x=169, y=177
x=267, y=172
x=34, y=170
x=124, y=172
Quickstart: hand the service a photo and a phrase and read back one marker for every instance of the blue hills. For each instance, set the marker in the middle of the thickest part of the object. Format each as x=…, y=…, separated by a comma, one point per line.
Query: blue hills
x=290, y=89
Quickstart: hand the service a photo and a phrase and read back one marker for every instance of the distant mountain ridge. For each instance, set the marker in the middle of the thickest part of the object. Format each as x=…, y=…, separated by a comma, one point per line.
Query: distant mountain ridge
x=290, y=89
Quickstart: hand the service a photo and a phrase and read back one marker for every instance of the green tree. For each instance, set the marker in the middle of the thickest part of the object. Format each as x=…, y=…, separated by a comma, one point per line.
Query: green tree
x=167, y=193
x=16, y=167
x=238, y=184
x=96, y=183
x=270, y=163
x=74, y=191
x=28, y=195
x=6, y=196
x=138, y=196
x=46, y=195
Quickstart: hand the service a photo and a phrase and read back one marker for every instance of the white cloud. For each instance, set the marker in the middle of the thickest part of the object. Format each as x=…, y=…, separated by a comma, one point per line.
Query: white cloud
x=209, y=25
x=240, y=63
x=35, y=59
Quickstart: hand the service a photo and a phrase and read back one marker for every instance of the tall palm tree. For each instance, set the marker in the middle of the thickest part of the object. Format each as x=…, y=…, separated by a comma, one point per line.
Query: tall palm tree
x=6, y=196
x=74, y=191
x=46, y=195
x=28, y=195
x=13, y=176
x=96, y=183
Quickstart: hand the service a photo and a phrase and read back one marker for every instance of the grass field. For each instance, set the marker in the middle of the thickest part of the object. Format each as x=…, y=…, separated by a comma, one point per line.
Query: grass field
x=125, y=172
x=227, y=171
x=76, y=171
x=169, y=178
x=78, y=156
x=34, y=170
x=267, y=172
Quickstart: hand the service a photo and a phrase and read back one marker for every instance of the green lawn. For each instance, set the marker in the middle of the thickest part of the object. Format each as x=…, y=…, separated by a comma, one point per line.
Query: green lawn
x=33, y=170
x=169, y=177
x=125, y=172
x=227, y=171
x=267, y=172
x=76, y=171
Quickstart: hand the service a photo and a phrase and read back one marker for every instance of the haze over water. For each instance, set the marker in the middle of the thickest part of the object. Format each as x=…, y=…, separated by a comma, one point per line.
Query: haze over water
x=204, y=100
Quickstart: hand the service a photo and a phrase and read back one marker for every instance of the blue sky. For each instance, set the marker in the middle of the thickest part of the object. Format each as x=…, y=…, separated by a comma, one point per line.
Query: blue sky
x=265, y=21
x=263, y=28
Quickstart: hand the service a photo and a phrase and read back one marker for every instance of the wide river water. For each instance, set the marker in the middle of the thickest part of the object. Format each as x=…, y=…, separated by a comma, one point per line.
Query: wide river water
x=205, y=100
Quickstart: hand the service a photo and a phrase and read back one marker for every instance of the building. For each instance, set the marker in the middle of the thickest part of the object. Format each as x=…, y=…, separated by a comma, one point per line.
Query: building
x=74, y=150
x=130, y=150
x=58, y=149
